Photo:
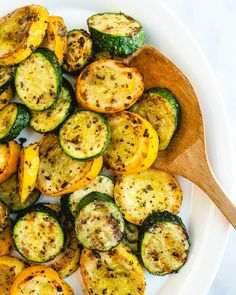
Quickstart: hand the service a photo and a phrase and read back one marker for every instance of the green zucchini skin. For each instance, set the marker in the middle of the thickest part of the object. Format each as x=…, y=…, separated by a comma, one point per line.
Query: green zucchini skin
x=117, y=45
x=9, y=195
x=152, y=222
x=21, y=120
x=91, y=221
x=69, y=203
x=35, y=211
x=34, y=101
x=46, y=125
x=11, y=73
x=146, y=106
x=71, y=64
x=92, y=119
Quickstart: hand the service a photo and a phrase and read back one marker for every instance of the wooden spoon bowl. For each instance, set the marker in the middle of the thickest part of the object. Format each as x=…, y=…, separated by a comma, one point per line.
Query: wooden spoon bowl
x=186, y=154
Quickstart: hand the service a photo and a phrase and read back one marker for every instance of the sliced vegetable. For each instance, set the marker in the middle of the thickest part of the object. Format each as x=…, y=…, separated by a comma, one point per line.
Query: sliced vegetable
x=10, y=267
x=138, y=195
x=48, y=120
x=106, y=55
x=114, y=272
x=85, y=135
x=4, y=221
x=6, y=96
x=164, y=243
x=40, y=279
x=108, y=86
x=38, y=80
x=67, y=262
x=116, y=32
x=59, y=174
x=38, y=235
x=6, y=242
x=131, y=236
x=79, y=51
x=55, y=38
x=28, y=170
x=134, y=143
x=9, y=195
x=101, y=183
x=99, y=224
x=13, y=119
x=6, y=77
x=160, y=107
x=21, y=32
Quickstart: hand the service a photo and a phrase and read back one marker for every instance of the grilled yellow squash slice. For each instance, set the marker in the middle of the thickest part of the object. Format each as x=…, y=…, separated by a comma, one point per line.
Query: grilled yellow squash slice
x=10, y=267
x=138, y=195
x=116, y=272
x=6, y=241
x=28, y=170
x=58, y=173
x=21, y=32
x=134, y=143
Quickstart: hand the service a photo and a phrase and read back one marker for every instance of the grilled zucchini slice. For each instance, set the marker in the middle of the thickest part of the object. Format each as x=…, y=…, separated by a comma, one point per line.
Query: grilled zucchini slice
x=48, y=120
x=38, y=80
x=79, y=51
x=101, y=184
x=164, y=243
x=116, y=32
x=99, y=224
x=10, y=267
x=39, y=279
x=6, y=242
x=138, y=195
x=160, y=107
x=9, y=195
x=58, y=173
x=6, y=77
x=67, y=262
x=4, y=221
x=115, y=272
x=108, y=86
x=55, y=38
x=38, y=235
x=85, y=135
x=21, y=32
x=134, y=143
x=13, y=119
x=131, y=236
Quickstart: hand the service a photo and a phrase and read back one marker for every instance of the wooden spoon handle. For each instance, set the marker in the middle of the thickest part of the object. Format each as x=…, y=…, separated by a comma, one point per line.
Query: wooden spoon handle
x=207, y=182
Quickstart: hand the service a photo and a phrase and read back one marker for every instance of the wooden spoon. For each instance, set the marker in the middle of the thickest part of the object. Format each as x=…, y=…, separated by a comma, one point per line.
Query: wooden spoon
x=186, y=154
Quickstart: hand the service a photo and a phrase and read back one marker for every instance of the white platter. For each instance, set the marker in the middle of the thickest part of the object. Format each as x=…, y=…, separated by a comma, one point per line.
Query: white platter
x=208, y=229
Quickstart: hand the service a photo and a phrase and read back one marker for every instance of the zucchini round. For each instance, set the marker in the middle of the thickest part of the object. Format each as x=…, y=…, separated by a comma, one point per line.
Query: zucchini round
x=85, y=135
x=6, y=77
x=116, y=32
x=13, y=119
x=164, y=243
x=99, y=224
x=9, y=195
x=134, y=143
x=4, y=221
x=138, y=195
x=48, y=120
x=160, y=107
x=79, y=51
x=38, y=80
x=101, y=184
x=117, y=271
x=38, y=235
x=108, y=86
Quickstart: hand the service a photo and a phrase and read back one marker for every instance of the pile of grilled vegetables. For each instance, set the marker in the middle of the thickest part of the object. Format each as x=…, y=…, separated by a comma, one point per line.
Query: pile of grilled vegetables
x=110, y=226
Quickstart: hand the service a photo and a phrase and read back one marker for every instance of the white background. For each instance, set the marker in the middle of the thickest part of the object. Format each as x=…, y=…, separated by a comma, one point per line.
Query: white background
x=213, y=25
